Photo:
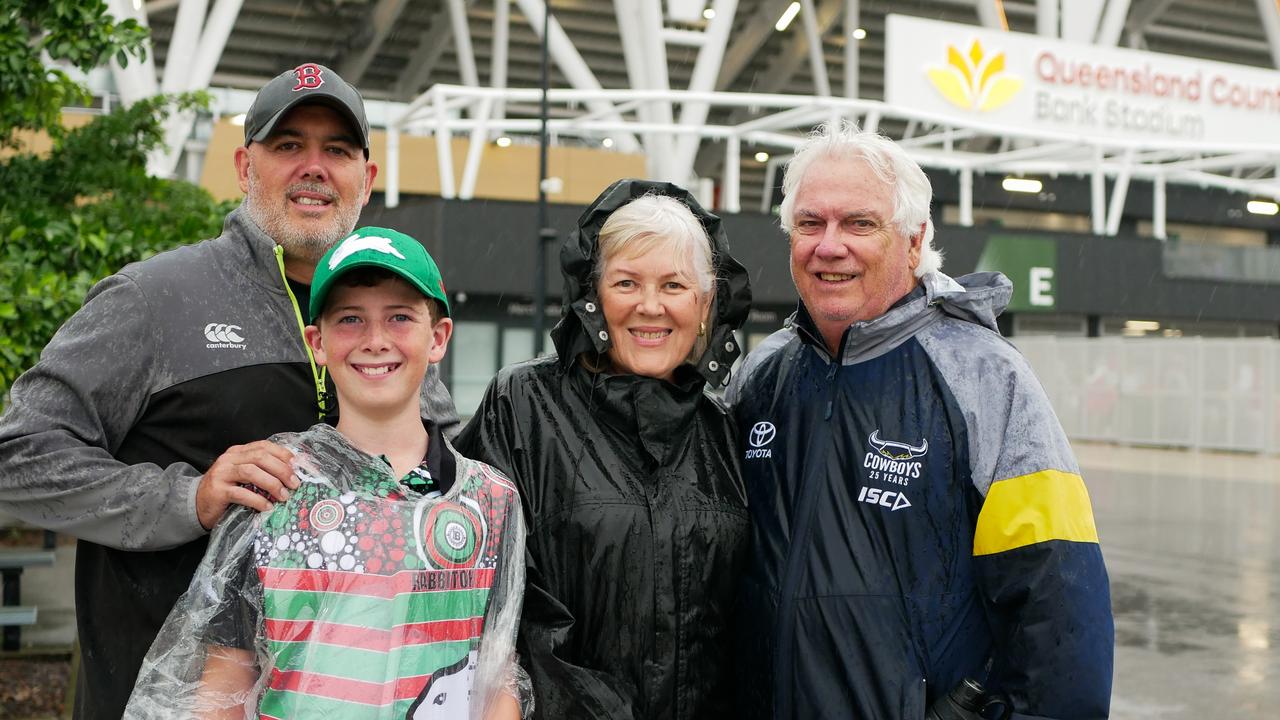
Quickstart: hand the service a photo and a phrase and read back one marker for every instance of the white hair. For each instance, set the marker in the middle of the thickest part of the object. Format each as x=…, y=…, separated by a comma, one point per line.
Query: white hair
x=912, y=192
x=658, y=221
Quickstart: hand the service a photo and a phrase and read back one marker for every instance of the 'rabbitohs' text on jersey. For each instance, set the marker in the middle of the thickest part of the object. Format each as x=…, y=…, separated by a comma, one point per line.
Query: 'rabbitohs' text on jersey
x=359, y=597
x=918, y=517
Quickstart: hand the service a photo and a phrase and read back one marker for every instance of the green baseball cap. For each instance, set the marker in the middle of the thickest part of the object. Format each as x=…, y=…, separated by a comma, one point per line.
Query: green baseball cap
x=378, y=247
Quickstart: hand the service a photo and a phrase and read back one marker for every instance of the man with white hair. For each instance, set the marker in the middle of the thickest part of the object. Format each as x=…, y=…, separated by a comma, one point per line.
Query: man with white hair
x=918, y=517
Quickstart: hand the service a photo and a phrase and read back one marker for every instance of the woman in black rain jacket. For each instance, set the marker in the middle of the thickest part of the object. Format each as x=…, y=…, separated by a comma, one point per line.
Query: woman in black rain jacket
x=627, y=469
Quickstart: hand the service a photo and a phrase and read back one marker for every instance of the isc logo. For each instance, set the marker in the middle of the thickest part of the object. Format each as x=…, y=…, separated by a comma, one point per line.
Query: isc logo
x=884, y=498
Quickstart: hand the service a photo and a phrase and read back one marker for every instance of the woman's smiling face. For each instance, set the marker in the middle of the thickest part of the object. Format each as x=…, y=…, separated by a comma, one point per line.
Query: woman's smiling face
x=653, y=310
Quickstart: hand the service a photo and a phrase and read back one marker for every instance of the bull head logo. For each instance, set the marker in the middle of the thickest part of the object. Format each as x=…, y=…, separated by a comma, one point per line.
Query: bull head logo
x=898, y=450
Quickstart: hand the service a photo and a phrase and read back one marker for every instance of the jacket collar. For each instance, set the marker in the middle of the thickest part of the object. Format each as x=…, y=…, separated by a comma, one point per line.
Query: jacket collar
x=977, y=298
x=256, y=249
x=657, y=412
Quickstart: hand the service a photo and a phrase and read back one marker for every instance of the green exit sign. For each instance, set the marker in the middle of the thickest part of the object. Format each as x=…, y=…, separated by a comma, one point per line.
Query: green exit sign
x=1031, y=263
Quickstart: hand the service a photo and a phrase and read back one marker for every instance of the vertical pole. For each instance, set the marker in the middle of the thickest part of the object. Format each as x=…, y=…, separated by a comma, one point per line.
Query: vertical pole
x=1098, y=195
x=444, y=147
x=852, y=18
x=393, y=166
x=966, y=197
x=1158, y=209
x=729, y=200
x=544, y=233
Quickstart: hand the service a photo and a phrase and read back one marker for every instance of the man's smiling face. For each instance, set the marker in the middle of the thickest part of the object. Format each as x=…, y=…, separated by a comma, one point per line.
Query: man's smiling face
x=306, y=183
x=849, y=261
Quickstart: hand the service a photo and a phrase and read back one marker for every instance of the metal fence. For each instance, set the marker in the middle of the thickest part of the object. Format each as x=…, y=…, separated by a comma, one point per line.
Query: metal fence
x=1220, y=394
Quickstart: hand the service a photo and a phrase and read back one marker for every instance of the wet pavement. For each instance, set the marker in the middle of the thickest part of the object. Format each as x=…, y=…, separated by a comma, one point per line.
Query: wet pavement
x=1192, y=544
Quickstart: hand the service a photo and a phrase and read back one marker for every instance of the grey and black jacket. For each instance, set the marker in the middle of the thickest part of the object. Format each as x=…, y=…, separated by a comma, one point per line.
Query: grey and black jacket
x=168, y=363
x=918, y=517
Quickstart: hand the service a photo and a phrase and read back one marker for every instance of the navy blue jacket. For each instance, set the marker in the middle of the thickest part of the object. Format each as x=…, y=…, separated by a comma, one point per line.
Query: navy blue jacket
x=918, y=518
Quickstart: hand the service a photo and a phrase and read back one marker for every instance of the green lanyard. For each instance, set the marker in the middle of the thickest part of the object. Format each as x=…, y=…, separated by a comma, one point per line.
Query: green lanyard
x=317, y=374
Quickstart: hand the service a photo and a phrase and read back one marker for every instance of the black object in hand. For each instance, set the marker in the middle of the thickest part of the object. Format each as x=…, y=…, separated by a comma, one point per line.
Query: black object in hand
x=967, y=701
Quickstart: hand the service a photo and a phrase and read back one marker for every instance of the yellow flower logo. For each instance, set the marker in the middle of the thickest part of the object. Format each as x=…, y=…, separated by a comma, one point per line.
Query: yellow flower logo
x=976, y=80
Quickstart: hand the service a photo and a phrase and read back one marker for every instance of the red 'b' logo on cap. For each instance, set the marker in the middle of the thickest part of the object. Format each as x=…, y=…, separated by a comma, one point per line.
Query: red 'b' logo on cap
x=309, y=77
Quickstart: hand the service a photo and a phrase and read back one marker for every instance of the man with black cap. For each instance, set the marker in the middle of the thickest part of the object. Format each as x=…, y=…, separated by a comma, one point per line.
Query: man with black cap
x=144, y=418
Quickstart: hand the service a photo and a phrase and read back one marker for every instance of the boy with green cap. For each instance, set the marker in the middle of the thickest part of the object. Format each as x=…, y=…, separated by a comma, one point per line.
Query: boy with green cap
x=388, y=584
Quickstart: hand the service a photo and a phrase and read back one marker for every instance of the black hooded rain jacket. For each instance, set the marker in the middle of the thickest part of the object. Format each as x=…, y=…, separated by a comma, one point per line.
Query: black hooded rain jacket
x=636, y=508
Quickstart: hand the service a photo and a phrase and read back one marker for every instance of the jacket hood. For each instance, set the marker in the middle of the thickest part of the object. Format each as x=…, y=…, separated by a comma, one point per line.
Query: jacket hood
x=582, y=326
x=978, y=298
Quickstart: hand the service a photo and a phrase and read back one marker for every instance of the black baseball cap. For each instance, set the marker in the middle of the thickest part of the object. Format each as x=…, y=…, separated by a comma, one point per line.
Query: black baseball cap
x=307, y=83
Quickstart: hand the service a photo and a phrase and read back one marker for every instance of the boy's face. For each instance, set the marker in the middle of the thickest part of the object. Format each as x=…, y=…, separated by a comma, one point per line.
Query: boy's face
x=377, y=342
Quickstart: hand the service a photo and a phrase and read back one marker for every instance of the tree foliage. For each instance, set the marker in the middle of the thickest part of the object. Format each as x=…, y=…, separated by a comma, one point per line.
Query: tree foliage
x=79, y=32
x=88, y=207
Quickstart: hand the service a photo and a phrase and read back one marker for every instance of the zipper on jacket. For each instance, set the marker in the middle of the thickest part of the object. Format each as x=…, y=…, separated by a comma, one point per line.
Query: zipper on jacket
x=317, y=375
x=796, y=554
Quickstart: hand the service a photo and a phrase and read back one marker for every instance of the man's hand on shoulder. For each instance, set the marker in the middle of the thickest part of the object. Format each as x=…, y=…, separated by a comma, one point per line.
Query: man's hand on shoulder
x=251, y=475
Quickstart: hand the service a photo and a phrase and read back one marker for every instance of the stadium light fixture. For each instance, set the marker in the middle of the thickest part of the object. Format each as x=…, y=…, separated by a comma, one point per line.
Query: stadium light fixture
x=860, y=34
x=1022, y=185
x=238, y=119
x=709, y=14
x=787, y=16
x=1262, y=207
x=503, y=141
x=762, y=156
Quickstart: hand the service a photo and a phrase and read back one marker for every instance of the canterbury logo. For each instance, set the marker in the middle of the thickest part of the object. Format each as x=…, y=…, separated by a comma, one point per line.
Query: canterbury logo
x=222, y=333
x=975, y=80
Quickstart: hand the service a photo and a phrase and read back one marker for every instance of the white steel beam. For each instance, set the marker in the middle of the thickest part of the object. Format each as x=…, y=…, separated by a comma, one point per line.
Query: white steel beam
x=462, y=43
x=991, y=14
x=817, y=64
x=659, y=147
x=479, y=139
x=852, y=22
x=1112, y=23
x=1269, y=13
x=1080, y=19
x=729, y=191
x=183, y=45
x=137, y=80
x=1097, y=195
x=1119, y=192
x=1158, y=212
x=1047, y=18
x=966, y=197
x=498, y=59
x=444, y=145
x=385, y=15
x=571, y=64
x=785, y=64
x=748, y=41
x=213, y=40
x=1145, y=12
x=703, y=79
x=392, y=194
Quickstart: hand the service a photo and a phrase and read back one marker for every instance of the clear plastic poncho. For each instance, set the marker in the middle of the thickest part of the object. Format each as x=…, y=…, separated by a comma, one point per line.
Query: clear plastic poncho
x=356, y=598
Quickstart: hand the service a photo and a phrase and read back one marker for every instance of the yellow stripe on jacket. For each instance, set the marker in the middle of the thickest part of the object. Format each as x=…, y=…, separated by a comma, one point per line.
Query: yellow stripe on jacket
x=1035, y=508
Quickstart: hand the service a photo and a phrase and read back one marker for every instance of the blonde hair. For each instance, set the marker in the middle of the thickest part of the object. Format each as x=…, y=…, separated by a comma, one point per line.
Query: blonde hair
x=658, y=222
x=912, y=192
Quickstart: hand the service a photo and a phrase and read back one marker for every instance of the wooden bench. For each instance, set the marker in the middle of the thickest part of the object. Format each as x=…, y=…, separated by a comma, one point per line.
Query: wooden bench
x=12, y=615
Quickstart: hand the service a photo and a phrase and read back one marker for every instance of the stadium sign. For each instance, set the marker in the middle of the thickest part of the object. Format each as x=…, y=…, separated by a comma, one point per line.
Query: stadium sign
x=974, y=75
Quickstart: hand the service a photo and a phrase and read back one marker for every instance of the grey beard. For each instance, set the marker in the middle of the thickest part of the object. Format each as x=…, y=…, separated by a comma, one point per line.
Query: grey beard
x=296, y=242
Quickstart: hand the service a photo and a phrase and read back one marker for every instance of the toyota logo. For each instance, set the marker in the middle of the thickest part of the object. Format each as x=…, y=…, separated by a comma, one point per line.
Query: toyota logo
x=762, y=434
